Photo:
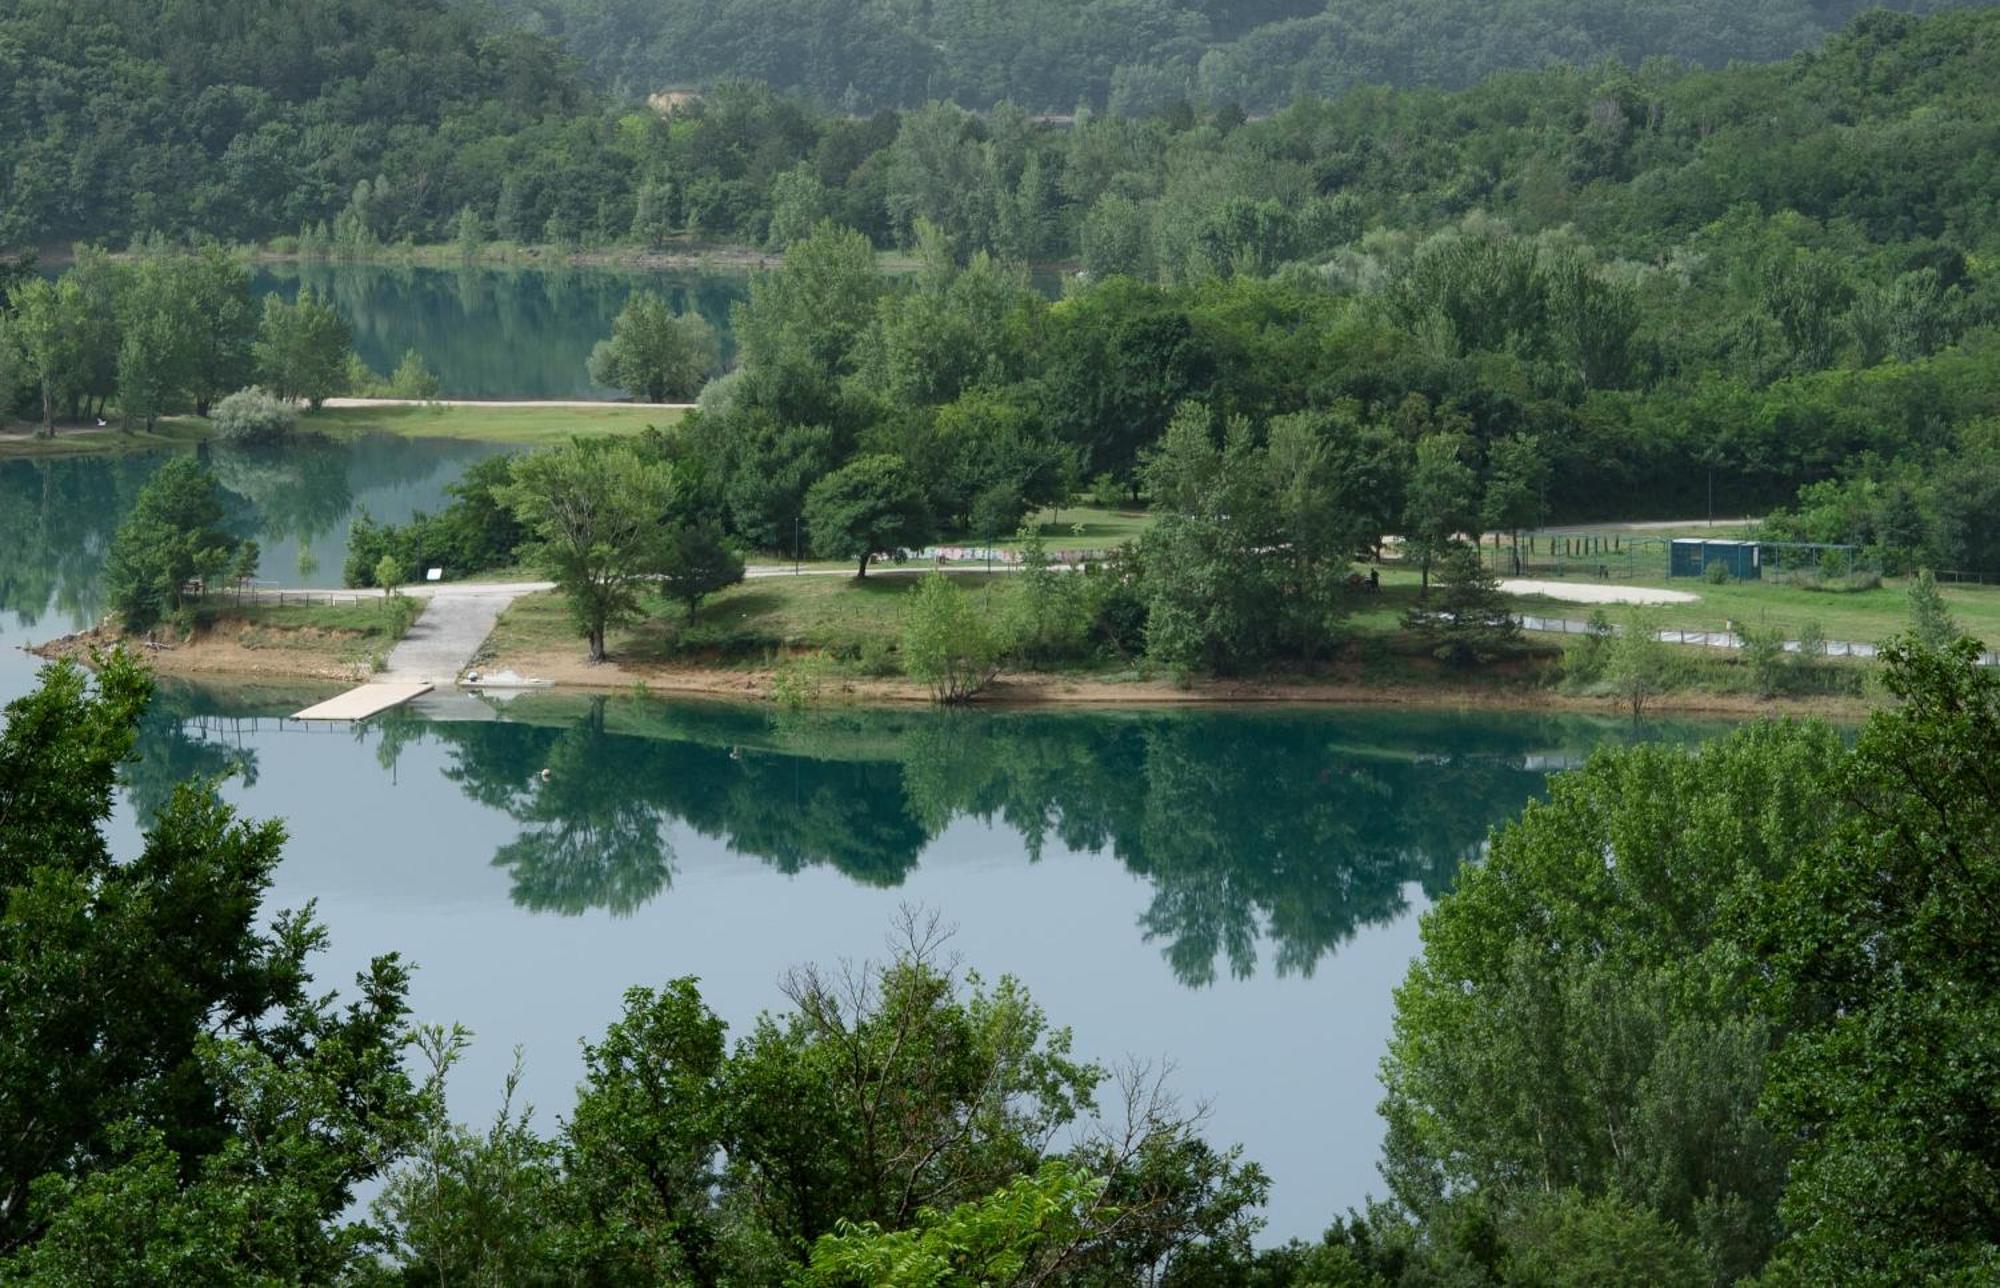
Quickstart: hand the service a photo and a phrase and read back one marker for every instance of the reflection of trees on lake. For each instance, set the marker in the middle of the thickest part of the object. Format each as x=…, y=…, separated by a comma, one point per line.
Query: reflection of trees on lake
x=497, y=332
x=56, y=522
x=174, y=749
x=57, y=517
x=299, y=492
x=1296, y=830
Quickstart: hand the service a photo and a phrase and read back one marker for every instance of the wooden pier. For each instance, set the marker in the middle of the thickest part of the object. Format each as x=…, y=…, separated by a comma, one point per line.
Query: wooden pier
x=368, y=700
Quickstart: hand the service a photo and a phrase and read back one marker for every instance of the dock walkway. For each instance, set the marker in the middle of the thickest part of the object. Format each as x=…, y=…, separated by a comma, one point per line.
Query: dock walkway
x=439, y=646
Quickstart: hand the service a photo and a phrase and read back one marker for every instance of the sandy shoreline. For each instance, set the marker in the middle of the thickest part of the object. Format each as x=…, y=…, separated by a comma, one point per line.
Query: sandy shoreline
x=221, y=660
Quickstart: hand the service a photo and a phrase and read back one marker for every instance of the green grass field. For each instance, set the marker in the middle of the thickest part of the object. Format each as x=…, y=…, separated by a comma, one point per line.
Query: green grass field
x=526, y=426
x=1865, y=616
x=748, y=622
x=339, y=634
x=18, y=440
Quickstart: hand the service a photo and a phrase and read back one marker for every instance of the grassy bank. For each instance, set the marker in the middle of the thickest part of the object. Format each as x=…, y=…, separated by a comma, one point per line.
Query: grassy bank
x=821, y=637
x=344, y=641
x=526, y=426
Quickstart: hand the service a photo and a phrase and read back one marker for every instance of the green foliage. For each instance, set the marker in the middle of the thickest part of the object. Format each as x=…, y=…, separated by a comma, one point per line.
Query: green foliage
x=173, y=536
x=1443, y=498
x=180, y=1099
x=870, y=506
x=949, y=643
x=881, y=1110
x=695, y=562
x=413, y=378
x=1249, y=558
x=1931, y=623
x=1882, y=947
x=1470, y=621
x=1639, y=665
x=1745, y=991
x=1051, y=619
x=302, y=348
x=1026, y=1229
x=654, y=353
x=254, y=416
x=390, y=574
x=476, y=532
x=593, y=510
x=1582, y=1013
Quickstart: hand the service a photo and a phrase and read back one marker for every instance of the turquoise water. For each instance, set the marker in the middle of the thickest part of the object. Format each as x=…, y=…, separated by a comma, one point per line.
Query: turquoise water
x=497, y=332
x=1234, y=891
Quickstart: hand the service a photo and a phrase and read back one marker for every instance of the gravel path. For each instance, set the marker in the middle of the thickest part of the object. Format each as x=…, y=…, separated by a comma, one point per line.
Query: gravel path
x=1583, y=592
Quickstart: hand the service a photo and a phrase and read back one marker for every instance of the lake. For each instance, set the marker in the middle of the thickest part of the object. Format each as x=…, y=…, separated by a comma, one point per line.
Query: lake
x=1236, y=891
x=497, y=332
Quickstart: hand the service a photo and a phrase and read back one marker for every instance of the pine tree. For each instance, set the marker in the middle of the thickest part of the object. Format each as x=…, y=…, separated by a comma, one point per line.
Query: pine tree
x=1931, y=622
x=1470, y=621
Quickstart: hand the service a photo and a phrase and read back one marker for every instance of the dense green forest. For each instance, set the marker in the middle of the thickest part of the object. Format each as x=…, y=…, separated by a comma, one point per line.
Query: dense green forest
x=1142, y=55
x=366, y=123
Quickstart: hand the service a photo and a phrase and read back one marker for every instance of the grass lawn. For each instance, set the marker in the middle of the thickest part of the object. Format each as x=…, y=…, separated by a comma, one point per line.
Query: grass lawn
x=1084, y=527
x=19, y=440
x=1864, y=616
x=528, y=426
x=525, y=425
x=344, y=634
x=844, y=616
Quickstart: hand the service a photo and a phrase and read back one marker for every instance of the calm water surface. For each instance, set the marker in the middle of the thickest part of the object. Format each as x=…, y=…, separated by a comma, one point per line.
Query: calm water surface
x=1236, y=892
x=497, y=332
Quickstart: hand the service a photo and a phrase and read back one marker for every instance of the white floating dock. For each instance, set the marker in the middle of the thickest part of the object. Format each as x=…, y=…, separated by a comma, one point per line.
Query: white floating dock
x=368, y=700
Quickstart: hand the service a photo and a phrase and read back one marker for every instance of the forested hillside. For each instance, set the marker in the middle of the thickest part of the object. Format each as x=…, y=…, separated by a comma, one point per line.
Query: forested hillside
x=1141, y=55
x=243, y=120
x=236, y=118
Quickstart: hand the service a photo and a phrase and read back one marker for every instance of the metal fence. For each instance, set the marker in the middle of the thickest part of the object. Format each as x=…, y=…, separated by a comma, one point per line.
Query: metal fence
x=1711, y=639
x=299, y=598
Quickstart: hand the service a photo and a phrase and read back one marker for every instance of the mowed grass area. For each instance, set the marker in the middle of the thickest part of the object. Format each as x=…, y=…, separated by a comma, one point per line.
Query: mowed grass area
x=1860, y=616
x=18, y=440
x=749, y=622
x=340, y=634
x=530, y=426
x=526, y=426
x=1084, y=527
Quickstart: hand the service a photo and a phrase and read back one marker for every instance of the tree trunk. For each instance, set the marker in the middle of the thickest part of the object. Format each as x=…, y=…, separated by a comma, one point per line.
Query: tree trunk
x=597, y=643
x=864, y=567
x=48, y=411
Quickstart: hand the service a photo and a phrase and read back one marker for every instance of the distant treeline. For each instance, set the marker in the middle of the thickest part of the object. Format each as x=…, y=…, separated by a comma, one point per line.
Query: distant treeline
x=368, y=122
x=1142, y=55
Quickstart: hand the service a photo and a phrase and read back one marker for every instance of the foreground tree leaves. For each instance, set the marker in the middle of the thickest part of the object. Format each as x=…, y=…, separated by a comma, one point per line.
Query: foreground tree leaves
x=174, y=1097
x=1750, y=990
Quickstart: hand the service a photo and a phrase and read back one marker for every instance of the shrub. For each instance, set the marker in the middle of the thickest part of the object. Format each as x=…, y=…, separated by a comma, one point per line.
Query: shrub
x=1586, y=660
x=1716, y=574
x=254, y=415
x=947, y=642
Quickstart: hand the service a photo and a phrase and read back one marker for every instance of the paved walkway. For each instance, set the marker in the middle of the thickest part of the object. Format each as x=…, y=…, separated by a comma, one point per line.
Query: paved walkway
x=454, y=624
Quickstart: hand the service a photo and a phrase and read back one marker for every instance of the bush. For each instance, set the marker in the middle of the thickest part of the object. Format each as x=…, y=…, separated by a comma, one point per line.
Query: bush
x=1716, y=574
x=254, y=415
x=947, y=642
x=1586, y=661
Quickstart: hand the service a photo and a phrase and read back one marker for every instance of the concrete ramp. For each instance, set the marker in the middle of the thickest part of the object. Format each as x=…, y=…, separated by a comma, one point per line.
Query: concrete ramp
x=368, y=700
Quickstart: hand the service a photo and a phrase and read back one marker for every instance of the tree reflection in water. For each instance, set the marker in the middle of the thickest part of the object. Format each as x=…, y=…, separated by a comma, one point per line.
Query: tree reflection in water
x=1258, y=833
